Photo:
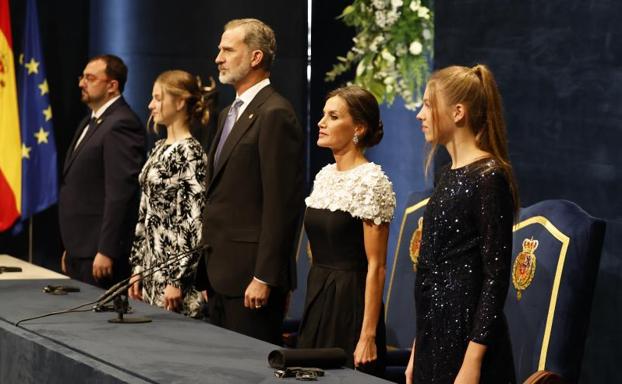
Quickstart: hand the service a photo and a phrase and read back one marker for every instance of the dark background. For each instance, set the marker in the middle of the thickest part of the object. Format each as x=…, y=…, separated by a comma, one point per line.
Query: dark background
x=558, y=64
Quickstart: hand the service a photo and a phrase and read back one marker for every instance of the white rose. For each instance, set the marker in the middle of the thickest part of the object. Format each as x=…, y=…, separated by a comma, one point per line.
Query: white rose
x=415, y=48
x=414, y=5
x=424, y=13
x=360, y=69
x=396, y=3
x=389, y=80
x=388, y=56
x=426, y=34
x=379, y=4
x=392, y=17
x=381, y=19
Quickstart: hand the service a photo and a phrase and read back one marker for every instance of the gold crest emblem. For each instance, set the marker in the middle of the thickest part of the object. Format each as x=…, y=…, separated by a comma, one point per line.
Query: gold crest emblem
x=524, y=267
x=415, y=243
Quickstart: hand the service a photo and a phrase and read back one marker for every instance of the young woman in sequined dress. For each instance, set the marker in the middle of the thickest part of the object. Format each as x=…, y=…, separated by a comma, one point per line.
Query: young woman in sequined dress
x=463, y=270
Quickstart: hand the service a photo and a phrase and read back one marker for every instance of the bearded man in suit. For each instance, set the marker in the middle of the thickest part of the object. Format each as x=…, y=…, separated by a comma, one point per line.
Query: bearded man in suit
x=255, y=190
x=99, y=191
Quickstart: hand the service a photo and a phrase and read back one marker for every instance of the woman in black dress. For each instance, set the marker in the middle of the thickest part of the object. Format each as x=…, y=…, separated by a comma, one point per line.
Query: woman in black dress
x=463, y=270
x=347, y=223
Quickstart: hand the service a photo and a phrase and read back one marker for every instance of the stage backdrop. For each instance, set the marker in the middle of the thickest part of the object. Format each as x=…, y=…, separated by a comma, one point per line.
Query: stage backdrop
x=156, y=35
x=400, y=153
x=559, y=67
x=151, y=36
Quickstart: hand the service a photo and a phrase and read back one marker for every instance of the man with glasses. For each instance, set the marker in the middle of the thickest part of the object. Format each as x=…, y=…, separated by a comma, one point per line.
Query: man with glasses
x=99, y=192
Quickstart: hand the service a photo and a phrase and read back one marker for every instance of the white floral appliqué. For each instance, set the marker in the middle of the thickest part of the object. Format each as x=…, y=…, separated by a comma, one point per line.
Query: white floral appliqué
x=365, y=192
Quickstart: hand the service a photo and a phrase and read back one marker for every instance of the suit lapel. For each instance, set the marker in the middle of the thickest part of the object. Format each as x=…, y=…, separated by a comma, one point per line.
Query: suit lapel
x=70, y=151
x=239, y=129
x=212, y=149
x=74, y=152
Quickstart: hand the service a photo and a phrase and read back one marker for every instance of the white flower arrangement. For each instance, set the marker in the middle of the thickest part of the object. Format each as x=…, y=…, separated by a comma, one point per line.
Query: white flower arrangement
x=392, y=48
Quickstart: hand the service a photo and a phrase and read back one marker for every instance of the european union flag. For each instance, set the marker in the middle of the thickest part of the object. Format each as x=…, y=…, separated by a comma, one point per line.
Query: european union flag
x=39, y=167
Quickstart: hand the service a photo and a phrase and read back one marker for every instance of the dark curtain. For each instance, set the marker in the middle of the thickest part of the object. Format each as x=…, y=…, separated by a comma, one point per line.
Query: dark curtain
x=559, y=70
x=151, y=36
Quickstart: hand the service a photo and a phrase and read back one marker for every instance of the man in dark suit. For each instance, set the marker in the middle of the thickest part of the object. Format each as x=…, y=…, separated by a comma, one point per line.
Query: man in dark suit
x=255, y=190
x=99, y=192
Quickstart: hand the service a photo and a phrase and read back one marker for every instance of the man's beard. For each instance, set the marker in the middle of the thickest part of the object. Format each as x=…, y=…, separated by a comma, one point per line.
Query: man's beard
x=89, y=99
x=234, y=75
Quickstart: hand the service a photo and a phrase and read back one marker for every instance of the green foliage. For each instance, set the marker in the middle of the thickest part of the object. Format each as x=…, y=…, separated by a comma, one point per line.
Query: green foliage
x=392, y=48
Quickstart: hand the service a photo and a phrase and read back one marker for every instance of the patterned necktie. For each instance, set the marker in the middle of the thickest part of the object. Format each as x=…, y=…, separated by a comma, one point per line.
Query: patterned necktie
x=226, y=129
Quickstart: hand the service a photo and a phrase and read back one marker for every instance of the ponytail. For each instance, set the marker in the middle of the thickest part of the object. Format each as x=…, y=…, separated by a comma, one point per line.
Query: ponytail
x=492, y=137
x=476, y=87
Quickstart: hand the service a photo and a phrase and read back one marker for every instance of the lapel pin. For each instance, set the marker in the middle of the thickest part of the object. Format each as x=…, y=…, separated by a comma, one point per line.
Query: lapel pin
x=251, y=116
x=99, y=121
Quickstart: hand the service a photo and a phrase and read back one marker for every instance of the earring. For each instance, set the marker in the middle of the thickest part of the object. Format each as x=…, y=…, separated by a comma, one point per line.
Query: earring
x=355, y=139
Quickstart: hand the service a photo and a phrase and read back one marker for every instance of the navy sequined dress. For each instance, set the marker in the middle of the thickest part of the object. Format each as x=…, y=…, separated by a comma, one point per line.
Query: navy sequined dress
x=463, y=275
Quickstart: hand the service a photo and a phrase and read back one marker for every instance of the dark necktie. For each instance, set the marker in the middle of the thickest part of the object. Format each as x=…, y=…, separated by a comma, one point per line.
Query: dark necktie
x=91, y=125
x=232, y=116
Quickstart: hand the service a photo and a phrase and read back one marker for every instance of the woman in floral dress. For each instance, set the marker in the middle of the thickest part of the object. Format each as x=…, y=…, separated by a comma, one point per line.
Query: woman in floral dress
x=173, y=198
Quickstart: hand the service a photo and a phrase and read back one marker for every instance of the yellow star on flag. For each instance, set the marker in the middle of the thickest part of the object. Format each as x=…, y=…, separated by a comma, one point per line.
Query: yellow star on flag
x=47, y=113
x=25, y=151
x=42, y=136
x=21, y=59
x=44, y=87
x=32, y=66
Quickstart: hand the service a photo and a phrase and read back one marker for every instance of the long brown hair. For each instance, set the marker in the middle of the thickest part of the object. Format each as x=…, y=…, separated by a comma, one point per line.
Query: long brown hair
x=477, y=89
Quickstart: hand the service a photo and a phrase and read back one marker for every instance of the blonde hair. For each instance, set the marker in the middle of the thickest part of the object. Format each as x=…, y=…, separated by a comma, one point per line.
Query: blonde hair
x=199, y=99
x=257, y=35
x=477, y=89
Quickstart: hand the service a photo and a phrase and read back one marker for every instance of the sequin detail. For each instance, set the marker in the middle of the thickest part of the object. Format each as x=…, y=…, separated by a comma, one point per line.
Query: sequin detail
x=463, y=274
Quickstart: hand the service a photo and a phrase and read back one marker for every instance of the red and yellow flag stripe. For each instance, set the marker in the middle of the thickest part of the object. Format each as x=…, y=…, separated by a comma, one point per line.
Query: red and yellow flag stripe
x=10, y=142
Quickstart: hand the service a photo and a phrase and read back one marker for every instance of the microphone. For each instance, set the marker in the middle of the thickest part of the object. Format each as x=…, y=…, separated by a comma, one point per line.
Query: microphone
x=116, y=289
x=125, y=284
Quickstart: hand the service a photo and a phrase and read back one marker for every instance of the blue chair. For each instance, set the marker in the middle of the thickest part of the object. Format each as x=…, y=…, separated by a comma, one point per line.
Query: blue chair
x=556, y=254
x=297, y=299
x=400, y=304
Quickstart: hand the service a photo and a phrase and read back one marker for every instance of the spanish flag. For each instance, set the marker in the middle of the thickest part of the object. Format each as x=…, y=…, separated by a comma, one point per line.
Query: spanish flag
x=10, y=143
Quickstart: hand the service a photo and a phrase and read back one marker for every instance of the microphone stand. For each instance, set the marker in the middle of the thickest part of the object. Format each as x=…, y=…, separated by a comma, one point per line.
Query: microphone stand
x=117, y=291
x=121, y=306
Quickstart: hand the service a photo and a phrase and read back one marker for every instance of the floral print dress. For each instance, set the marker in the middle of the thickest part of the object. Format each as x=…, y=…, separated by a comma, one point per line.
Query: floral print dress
x=169, y=223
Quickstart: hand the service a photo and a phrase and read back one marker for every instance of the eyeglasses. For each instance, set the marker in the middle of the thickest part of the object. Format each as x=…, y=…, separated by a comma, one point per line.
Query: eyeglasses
x=90, y=78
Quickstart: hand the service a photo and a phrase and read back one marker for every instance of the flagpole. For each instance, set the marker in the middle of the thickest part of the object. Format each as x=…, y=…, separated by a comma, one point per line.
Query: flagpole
x=30, y=239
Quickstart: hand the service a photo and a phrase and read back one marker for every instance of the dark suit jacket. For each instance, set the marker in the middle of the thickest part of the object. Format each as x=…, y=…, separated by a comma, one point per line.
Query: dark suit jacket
x=255, y=197
x=99, y=192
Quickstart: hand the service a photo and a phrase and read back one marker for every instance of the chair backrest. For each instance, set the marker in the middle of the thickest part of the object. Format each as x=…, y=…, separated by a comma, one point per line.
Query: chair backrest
x=558, y=248
x=303, y=263
x=556, y=253
x=399, y=306
x=545, y=377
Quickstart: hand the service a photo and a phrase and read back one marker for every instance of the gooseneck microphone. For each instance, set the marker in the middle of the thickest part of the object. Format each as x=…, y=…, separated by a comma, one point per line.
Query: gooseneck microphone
x=119, y=288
